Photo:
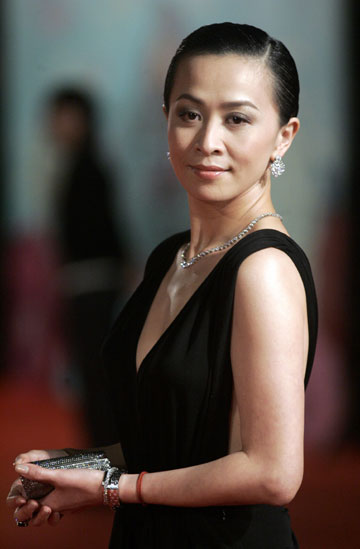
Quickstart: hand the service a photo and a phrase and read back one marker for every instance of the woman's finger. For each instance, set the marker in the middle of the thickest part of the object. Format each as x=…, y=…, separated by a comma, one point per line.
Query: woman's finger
x=32, y=455
x=16, y=496
x=35, y=472
x=15, y=502
x=55, y=518
x=26, y=511
x=41, y=517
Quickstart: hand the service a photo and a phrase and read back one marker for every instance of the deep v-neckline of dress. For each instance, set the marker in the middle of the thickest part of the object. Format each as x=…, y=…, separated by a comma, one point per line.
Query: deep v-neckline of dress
x=160, y=277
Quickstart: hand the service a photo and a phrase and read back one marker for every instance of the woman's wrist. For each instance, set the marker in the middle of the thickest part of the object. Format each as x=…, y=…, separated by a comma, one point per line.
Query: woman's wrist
x=127, y=488
x=139, y=493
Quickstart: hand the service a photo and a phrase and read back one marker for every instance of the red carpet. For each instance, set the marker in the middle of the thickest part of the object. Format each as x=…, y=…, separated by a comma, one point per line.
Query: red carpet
x=324, y=513
x=31, y=418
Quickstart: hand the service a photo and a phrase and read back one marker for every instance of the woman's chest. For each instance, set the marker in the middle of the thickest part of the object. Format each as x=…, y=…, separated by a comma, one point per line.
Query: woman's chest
x=175, y=292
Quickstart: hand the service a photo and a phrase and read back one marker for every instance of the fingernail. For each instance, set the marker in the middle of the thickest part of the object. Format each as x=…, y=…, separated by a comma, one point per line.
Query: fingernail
x=21, y=468
x=17, y=460
x=57, y=517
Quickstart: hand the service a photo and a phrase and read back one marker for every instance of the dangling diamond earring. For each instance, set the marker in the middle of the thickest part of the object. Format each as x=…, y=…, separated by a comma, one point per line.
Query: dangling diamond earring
x=277, y=167
x=168, y=155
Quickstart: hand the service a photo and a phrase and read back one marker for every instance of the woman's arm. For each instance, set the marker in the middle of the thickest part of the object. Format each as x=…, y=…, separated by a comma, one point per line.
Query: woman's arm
x=268, y=352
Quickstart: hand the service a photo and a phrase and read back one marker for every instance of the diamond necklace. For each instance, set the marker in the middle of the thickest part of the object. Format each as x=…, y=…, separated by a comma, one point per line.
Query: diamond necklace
x=188, y=263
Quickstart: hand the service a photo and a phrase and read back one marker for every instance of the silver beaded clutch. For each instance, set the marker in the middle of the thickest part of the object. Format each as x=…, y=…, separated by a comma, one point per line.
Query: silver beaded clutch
x=87, y=460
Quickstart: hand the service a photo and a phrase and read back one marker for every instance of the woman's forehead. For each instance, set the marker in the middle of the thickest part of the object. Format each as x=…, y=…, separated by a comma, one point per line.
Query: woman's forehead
x=223, y=75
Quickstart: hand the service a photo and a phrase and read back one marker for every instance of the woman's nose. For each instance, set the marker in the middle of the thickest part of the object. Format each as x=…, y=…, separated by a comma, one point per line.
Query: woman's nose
x=209, y=139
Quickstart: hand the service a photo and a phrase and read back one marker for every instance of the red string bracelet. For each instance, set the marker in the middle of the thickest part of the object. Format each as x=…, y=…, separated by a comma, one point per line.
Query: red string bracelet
x=138, y=487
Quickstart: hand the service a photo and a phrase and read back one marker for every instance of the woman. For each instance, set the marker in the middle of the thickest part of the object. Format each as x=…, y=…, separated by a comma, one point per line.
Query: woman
x=207, y=362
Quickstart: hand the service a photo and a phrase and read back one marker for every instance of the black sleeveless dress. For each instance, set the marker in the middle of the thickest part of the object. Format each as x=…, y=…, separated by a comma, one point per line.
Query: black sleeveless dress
x=175, y=411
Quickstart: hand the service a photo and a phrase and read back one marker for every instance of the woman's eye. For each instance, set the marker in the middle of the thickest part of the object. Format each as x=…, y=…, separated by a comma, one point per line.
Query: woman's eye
x=189, y=116
x=237, y=119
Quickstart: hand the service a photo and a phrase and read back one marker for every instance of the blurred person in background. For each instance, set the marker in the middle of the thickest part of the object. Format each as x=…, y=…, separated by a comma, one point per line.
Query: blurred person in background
x=91, y=252
x=66, y=274
x=207, y=363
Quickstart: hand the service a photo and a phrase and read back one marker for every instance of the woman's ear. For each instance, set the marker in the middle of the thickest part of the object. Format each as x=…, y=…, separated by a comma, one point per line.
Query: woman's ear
x=286, y=136
x=165, y=111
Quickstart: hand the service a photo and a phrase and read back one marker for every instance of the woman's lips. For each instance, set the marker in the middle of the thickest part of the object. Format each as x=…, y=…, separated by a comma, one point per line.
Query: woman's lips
x=208, y=172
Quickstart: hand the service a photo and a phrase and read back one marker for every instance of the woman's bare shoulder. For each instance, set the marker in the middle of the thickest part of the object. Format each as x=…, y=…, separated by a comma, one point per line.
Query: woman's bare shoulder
x=269, y=270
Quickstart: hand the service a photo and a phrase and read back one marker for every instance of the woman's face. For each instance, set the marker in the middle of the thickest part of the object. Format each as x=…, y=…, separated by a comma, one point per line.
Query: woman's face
x=223, y=125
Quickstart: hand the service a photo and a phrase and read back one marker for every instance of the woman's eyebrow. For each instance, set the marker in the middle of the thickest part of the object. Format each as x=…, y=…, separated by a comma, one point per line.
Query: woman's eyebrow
x=225, y=105
x=239, y=103
x=190, y=97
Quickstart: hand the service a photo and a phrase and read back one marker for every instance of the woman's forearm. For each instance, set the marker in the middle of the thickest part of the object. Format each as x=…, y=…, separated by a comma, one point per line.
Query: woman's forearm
x=236, y=479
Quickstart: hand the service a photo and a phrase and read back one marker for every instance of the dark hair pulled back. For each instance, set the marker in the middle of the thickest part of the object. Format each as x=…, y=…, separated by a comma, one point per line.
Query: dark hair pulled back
x=225, y=38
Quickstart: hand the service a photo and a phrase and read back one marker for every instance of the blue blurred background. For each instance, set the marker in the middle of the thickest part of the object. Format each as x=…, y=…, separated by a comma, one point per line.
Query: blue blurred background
x=117, y=53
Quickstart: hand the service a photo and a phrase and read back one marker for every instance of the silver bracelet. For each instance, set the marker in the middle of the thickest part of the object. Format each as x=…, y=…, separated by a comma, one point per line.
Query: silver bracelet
x=111, y=487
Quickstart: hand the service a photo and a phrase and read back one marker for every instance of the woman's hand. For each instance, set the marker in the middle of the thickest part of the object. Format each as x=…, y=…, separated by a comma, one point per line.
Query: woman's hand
x=16, y=497
x=73, y=489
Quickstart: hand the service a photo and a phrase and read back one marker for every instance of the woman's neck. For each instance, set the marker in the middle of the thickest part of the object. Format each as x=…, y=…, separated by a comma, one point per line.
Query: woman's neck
x=215, y=223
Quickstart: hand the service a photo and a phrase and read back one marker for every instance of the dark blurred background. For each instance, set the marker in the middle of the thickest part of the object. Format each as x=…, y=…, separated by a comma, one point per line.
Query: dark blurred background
x=87, y=192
